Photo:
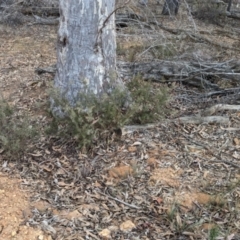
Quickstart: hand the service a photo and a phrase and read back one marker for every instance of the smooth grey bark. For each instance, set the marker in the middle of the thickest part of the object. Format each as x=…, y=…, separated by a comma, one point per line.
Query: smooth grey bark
x=170, y=7
x=86, y=50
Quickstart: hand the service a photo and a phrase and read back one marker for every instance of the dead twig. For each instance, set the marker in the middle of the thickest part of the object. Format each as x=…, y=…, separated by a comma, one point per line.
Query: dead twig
x=120, y=201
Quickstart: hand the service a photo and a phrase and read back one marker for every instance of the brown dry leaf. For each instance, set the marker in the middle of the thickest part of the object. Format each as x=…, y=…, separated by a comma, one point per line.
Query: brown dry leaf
x=47, y=151
x=205, y=174
x=63, y=184
x=37, y=154
x=194, y=148
x=57, y=149
x=167, y=153
x=152, y=162
x=158, y=200
x=132, y=149
x=120, y=172
x=97, y=184
x=208, y=226
x=127, y=226
x=236, y=155
x=236, y=141
x=110, y=182
x=179, y=220
x=237, y=176
x=47, y=168
x=154, y=152
x=60, y=171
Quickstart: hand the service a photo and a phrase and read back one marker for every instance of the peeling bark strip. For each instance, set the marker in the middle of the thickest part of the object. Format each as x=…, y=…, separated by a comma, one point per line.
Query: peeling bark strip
x=86, y=48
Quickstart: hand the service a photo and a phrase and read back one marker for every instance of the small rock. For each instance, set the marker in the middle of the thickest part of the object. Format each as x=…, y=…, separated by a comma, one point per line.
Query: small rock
x=40, y=237
x=137, y=144
x=105, y=233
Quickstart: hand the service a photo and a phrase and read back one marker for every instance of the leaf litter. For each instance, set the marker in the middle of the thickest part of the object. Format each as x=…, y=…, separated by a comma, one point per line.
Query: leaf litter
x=186, y=188
x=176, y=181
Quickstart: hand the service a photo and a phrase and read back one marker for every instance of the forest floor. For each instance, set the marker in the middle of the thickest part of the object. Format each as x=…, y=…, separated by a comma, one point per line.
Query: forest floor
x=175, y=181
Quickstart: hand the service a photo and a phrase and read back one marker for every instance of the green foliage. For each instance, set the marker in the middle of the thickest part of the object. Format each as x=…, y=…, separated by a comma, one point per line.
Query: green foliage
x=15, y=131
x=213, y=233
x=93, y=119
x=148, y=102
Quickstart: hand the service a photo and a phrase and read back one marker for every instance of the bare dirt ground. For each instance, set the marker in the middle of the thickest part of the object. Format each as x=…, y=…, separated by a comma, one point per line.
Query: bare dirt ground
x=175, y=181
x=14, y=208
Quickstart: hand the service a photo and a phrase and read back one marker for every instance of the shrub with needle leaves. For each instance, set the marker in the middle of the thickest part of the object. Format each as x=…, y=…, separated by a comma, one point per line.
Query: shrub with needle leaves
x=93, y=119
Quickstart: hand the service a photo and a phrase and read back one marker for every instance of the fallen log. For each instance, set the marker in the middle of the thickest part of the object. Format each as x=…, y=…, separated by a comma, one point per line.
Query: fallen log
x=227, y=91
x=220, y=107
x=41, y=11
x=193, y=73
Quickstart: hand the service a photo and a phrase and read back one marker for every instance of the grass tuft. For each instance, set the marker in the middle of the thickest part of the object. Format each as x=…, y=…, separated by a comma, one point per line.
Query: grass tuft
x=15, y=131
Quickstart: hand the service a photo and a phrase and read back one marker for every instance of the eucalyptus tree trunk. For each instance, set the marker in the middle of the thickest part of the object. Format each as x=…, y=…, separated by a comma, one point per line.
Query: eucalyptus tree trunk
x=170, y=7
x=86, y=50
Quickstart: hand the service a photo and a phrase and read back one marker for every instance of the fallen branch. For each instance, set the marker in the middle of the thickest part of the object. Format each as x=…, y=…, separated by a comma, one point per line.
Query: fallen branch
x=200, y=120
x=221, y=92
x=41, y=11
x=45, y=21
x=200, y=38
x=131, y=128
x=193, y=73
x=220, y=107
